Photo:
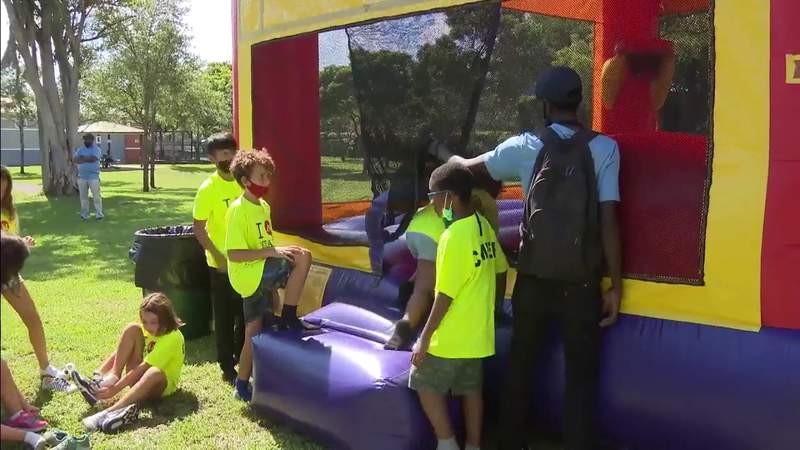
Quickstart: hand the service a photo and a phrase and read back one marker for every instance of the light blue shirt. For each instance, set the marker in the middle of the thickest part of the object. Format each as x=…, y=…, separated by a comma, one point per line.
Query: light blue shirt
x=421, y=246
x=514, y=159
x=89, y=171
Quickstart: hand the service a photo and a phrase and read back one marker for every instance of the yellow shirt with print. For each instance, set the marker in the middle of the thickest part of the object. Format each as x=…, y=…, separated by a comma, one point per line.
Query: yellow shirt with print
x=8, y=224
x=249, y=228
x=211, y=204
x=166, y=353
x=468, y=260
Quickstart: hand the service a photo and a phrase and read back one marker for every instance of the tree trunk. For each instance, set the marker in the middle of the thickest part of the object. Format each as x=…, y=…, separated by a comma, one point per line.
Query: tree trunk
x=21, y=125
x=153, y=168
x=145, y=151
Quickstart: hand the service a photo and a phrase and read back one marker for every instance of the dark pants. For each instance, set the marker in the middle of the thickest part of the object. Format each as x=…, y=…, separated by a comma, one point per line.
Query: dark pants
x=577, y=309
x=228, y=321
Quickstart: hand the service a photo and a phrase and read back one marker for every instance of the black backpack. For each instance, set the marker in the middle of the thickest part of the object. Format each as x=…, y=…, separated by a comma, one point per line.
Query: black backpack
x=560, y=229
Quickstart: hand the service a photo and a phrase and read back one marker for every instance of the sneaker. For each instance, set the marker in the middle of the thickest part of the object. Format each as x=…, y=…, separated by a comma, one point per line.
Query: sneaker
x=58, y=383
x=92, y=423
x=402, y=338
x=84, y=216
x=88, y=388
x=26, y=421
x=55, y=437
x=99, y=218
x=242, y=390
x=81, y=442
x=115, y=420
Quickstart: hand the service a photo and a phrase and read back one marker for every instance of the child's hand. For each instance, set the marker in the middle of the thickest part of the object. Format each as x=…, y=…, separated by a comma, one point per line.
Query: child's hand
x=106, y=393
x=29, y=241
x=419, y=351
x=285, y=253
x=29, y=408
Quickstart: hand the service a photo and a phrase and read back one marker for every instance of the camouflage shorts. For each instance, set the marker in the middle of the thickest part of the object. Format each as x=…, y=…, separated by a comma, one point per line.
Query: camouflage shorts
x=13, y=284
x=443, y=375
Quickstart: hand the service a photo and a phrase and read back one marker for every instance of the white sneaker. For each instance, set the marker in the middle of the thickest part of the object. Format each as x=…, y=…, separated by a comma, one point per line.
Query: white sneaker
x=57, y=383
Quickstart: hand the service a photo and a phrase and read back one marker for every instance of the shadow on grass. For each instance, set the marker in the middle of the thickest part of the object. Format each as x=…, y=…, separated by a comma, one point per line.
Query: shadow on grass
x=97, y=245
x=177, y=406
x=285, y=436
x=201, y=350
x=196, y=167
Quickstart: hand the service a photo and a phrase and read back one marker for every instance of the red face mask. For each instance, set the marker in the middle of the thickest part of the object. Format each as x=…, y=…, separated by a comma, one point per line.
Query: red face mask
x=258, y=190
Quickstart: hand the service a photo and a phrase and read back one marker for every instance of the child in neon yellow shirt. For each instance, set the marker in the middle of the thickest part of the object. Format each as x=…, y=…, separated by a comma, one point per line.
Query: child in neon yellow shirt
x=470, y=279
x=211, y=204
x=256, y=267
x=151, y=352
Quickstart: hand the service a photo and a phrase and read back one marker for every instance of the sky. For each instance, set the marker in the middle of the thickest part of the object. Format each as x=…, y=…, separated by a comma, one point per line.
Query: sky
x=209, y=22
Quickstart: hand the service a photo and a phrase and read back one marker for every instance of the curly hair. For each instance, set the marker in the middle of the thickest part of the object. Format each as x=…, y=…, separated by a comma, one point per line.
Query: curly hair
x=13, y=253
x=245, y=161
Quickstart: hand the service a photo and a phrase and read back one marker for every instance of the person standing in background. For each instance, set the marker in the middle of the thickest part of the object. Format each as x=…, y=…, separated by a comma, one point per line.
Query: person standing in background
x=88, y=160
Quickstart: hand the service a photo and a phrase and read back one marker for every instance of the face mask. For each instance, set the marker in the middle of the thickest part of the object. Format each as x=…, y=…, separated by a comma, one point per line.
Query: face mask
x=258, y=190
x=447, y=212
x=87, y=143
x=224, y=166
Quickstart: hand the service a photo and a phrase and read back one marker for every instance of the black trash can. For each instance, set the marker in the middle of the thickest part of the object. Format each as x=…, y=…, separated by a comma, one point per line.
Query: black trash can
x=170, y=260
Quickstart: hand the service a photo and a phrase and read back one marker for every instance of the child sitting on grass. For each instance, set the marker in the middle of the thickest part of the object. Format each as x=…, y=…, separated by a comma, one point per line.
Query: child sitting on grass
x=151, y=353
x=470, y=277
x=256, y=267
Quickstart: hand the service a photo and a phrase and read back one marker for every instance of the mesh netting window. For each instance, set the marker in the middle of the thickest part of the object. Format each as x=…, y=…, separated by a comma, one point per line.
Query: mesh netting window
x=688, y=105
x=458, y=75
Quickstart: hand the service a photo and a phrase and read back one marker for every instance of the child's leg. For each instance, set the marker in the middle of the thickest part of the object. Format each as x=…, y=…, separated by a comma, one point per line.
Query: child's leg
x=252, y=328
x=11, y=397
x=129, y=349
x=8, y=434
x=149, y=387
x=108, y=364
x=435, y=407
x=20, y=299
x=297, y=278
x=473, y=415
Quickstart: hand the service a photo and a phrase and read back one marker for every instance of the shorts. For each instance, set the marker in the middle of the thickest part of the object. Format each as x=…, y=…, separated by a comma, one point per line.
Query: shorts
x=461, y=376
x=13, y=284
x=276, y=273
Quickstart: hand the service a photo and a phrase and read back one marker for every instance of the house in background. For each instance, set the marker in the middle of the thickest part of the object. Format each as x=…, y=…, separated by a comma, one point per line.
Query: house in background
x=123, y=142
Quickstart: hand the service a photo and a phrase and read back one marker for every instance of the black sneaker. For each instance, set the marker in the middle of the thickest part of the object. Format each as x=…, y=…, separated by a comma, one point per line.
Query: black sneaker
x=87, y=388
x=115, y=420
x=402, y=338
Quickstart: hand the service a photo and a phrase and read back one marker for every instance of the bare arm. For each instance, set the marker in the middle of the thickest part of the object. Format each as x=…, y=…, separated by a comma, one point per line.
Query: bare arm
x=200, y=232
x=440, y=306
x=424, y=281
x=612, y=248
x=255, y=255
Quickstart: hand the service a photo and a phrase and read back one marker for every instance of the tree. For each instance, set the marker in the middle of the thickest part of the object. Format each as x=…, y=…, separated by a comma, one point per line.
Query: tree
x=337, y=104
x=15, y=88
x=50, y=36
x=145, y=72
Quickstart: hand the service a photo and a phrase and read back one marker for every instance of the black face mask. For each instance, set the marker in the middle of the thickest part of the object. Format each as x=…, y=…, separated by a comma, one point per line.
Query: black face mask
x=88, y=143
x=224, y=166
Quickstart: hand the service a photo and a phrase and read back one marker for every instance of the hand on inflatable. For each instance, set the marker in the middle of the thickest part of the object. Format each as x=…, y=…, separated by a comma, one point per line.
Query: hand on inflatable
x=29, y=241
x=419, y=351
x=611, y=301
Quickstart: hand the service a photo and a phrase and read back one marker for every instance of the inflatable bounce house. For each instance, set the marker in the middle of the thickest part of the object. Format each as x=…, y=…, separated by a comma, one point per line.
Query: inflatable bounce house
x=700, y=96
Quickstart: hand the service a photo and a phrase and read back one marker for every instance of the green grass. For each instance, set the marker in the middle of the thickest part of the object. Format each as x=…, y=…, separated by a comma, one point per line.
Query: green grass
x=82, y=282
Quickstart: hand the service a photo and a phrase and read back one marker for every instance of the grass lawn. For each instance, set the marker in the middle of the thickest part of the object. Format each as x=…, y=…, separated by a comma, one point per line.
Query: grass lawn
x=82, y=282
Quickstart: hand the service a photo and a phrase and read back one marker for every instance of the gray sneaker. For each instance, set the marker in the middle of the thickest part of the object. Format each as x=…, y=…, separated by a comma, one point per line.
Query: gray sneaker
x=115, y=420
x=58, y=383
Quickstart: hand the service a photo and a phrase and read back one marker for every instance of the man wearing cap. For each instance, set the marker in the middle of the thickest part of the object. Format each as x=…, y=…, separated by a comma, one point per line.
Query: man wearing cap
x=87, y=157
x=581, y=309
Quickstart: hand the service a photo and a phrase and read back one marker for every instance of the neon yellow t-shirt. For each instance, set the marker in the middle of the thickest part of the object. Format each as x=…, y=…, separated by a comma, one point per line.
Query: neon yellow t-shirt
x=8, y=224
x=210, y=204
x=427, y=222
x=249, y=228
x=166, y=353
x=468, y=260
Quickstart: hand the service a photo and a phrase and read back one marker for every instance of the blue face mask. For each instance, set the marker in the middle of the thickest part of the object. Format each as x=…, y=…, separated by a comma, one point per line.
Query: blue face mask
x=447, y=212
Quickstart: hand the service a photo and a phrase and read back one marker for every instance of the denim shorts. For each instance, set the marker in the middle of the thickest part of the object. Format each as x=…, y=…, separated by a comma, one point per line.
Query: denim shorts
x=276, y=273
